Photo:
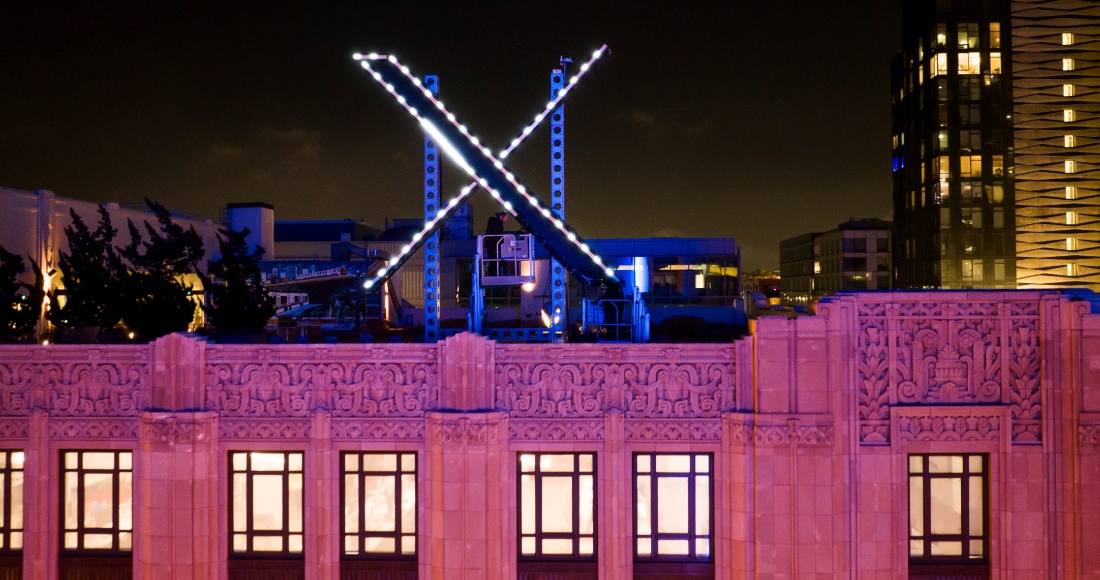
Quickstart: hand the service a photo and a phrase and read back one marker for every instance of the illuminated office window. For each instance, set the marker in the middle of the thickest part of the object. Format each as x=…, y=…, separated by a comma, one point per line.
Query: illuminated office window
x=1067, y=38
x=1067, y=64
x=266, y=512
x=1071, y=244
x=968, y=35
x=379, y=497
x=1072, y=271
x=970, y=63
x=673, y=495
x=11, y=501
x=948, y=508
x=995, y=63
x=557, y=505
x=998, y=270
x=1071, y=192
x=1071, y=218
x=1069, y=90
x=970, y=165
x=97, y=501
x=1071, y=140
x=1069, y=116
x=938, y=65
x=998, y=165
x=941, y=35
x=994, y=35
x=941, y=140
x=1071, y=166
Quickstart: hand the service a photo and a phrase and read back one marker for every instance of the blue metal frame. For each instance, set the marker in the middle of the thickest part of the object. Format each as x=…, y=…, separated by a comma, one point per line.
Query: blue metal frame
x=432, y=247
x=559, y=283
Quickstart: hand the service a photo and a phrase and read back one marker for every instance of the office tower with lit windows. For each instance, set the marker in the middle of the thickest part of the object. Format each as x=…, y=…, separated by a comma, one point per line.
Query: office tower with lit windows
x=954, y=198
x=1056, y=87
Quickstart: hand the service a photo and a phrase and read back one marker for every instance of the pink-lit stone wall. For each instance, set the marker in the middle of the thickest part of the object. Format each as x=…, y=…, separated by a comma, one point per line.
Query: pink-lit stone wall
x=810, y=421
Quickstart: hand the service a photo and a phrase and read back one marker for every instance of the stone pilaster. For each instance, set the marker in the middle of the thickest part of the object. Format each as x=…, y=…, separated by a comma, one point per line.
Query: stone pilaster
x=466, y=489
x=176, y=496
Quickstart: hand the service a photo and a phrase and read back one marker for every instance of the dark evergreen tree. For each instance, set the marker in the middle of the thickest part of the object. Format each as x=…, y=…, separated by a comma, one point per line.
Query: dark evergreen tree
x=19, y=311
x=157, y=301
x=239, y=302
x=92, y=291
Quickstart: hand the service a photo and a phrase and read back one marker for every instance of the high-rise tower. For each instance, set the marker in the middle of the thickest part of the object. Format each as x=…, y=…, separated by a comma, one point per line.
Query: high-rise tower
x=1056, y=88
x=954, y=196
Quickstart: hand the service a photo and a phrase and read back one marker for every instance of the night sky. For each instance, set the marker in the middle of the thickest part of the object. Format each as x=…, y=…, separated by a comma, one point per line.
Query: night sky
x=755, y=120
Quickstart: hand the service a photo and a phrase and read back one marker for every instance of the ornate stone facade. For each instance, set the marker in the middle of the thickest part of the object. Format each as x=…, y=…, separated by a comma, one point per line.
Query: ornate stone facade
x=809, y=422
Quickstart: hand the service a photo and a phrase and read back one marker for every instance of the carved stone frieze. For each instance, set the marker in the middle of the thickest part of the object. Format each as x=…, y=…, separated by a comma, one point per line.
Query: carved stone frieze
x=947, y=353
x=178, y=429
x=67, y=428
x=288, y=389
x=1089, y=434
x=949, y=427
x=556, y=430
x=377, y=429
x=264, y=429
x=75, y=383
x=590, y=389
x=14, y=428
x=647, y=430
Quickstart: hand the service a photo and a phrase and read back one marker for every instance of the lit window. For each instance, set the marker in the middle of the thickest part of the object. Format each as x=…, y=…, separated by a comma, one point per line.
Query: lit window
x=1069, y=116
x=817, y=267
x=1071, y=192
x=1071, y=244
x=1071, y=140
x=941, y=35
x=672, y=506
x=1069, y=90
x=1071, y=166
x=266, y=515
x=1067, y=38
x=11, y=501
x=947, y=508
x=97, y=500
x=941, y=140
x=938, y=65
x=379, y=491
x=994, y=35
x=998, y=270
x=970, y=63
x=967, y=268
x=995, y=63
x=998, y=165
x=557, y=505
x=998, y=194
x=970, y=165
x=1071, y=218
x=968, y=35
x=1067, y=64
x=942, y=166
x=1072, y=271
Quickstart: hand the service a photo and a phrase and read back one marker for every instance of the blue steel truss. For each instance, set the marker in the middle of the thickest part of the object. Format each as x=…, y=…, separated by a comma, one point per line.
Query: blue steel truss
x=432, y=247
x=559, y=284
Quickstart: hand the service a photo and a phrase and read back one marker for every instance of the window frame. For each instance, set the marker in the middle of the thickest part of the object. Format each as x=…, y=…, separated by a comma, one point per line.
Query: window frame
x=964, y=537
x=654, y=536
x=575, y=536
x=7, y=532
x=362, y=534
x=81, y=530
x=250, y=533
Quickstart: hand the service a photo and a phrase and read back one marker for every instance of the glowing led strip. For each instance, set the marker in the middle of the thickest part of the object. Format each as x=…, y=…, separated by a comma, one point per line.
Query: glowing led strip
x=457, y=157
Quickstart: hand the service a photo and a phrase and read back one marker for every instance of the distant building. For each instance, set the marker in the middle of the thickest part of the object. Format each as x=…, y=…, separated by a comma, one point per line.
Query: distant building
x=996, y=168
x=854, y=256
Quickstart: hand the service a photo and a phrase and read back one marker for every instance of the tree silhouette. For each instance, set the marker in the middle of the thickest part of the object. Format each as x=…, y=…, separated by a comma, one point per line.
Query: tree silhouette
x=239, y=302
x=19, y=312
x=92, y=290
x=157, y=301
